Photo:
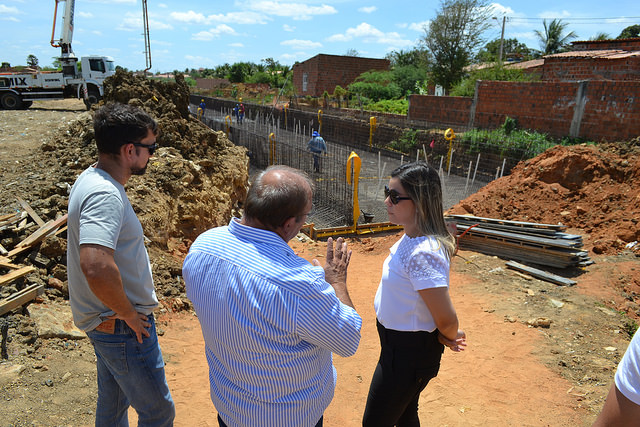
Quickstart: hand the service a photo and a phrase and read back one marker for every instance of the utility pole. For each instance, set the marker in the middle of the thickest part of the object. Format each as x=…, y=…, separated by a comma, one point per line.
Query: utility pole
x=504, y=19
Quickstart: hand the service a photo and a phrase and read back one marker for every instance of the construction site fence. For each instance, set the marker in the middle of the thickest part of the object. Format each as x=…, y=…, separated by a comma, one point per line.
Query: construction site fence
x=344, y=169
x=339, y=126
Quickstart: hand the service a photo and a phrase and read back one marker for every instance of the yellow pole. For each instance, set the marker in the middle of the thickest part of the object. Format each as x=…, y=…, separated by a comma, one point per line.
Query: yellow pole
x=286, y=108
x=320, y=122
x=353, y=167
x=227, y=122
x=449, y=135
x=372, y=128
x=272, y=149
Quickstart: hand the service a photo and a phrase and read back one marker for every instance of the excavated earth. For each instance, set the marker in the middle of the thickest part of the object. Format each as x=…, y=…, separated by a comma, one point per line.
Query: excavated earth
x=198, y=178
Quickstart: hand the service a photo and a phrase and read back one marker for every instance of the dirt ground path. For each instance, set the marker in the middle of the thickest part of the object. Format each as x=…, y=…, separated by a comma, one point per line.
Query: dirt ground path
x=511, y=374
x=497, y=381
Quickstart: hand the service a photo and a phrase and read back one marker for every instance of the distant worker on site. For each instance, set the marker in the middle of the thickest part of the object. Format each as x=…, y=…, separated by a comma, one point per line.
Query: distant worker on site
x=201, y=107
x=240, y=111
x=317, y=146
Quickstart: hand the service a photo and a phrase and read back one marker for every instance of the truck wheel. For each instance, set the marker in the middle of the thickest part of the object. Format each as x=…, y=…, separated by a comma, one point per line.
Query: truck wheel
x=11, y=101
x=92, y=98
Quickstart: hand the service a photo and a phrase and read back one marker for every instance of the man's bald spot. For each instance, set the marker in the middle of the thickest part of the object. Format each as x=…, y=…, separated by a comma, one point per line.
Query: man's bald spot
x=279, y=178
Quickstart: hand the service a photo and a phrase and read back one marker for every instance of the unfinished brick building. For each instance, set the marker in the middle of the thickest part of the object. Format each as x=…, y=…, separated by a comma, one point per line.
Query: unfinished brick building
x=325, y=72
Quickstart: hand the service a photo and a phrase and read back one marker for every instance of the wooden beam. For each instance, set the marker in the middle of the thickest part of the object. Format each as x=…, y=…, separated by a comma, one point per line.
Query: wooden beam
x=38, y=235
x=10, y=277
x=540, y=274
x=31, y=212
x=20, y=298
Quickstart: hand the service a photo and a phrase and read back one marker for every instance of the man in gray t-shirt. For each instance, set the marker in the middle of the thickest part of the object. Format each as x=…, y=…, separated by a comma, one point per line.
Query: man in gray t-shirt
x=111, y=288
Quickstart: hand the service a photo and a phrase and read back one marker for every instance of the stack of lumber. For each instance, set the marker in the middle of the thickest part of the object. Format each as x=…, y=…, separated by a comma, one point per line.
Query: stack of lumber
x=18, y=223
x=528, y=242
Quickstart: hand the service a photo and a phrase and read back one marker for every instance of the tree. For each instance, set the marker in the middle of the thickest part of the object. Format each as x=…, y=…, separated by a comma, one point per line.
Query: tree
x=600, y=36
x=352, y=52
x=510, y=48
x=453, y=36
x=417, y=57
x=32, y=61
x=553, y=40
x=630, y=32
x=376, y=85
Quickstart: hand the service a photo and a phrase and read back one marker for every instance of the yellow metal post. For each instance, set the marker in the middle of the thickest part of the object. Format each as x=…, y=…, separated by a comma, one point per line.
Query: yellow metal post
x=272, y=148
x=372, y=128
x=227, y=122
x=449, y=135
x=320, y=122
x=353, y=168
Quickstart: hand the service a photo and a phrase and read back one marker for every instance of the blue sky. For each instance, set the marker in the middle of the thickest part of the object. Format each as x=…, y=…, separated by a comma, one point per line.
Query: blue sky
x=197, y=33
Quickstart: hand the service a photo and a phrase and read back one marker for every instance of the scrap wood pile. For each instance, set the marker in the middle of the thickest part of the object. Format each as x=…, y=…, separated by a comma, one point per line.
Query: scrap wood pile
x=29, y=230
x=531, y=243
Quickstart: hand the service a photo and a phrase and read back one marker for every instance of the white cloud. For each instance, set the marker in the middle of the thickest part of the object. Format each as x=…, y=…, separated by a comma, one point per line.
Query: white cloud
x=236, y=45
x=9, y=10
x=133, y=22
x=554, y=15
x=419, y=26
x=288, y=28
x=301, y=44
x=214, y=33
x=162, y=5
x=85, y=14
x=368, y=9
x=296, y=11
x=369, y=34
x=9, y=18
x=246, y=18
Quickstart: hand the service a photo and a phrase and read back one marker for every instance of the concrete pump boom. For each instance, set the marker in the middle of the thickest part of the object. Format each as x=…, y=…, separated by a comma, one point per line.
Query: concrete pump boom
x=67, y=28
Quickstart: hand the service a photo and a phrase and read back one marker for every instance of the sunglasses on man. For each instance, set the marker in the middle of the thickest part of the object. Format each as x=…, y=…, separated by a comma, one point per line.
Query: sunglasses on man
x=393, y=196
x=151, y=148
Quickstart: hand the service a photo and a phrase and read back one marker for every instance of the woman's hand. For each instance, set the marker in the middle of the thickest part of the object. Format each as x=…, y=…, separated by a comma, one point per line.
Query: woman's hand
x=458, y=344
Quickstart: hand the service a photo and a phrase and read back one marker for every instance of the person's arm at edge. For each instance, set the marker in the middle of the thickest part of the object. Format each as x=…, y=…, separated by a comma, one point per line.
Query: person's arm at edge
x=335, y=269
x=444, y=314
x=618, y=411
x=99, y=267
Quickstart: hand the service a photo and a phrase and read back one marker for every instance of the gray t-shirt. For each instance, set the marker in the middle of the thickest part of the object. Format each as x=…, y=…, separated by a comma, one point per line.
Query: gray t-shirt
x=100, y=213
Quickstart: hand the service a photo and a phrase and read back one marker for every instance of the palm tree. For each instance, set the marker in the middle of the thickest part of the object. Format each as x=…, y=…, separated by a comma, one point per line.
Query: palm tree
x=552, y=40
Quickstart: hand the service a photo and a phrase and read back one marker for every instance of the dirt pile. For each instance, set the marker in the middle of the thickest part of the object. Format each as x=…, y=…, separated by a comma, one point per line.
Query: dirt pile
x=194, y=182
x=592, y=189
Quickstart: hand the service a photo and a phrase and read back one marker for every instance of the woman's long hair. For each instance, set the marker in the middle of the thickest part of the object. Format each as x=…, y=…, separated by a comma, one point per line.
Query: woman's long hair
x=422, y=184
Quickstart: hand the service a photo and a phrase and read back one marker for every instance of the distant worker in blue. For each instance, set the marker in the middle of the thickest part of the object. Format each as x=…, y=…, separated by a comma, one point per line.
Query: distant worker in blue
x=317, y=146
x=240, y=111
x=201, y=107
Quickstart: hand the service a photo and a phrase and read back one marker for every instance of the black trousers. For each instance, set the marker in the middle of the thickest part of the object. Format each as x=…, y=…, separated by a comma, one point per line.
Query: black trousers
x=408, y=361
x=222, y=424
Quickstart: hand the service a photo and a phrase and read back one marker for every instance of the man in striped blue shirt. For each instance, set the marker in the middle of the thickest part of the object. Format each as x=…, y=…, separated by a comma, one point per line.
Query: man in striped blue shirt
x=271, y=320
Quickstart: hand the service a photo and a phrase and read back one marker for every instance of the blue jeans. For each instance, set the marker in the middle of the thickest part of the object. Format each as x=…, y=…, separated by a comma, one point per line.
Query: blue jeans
x=131, y=374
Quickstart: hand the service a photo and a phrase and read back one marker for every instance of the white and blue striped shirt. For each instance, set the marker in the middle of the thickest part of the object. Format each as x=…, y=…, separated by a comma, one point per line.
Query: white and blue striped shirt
x=270, y=324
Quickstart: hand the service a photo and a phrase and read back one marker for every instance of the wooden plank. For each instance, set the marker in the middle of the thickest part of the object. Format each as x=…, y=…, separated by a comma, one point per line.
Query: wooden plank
x=540, y=274
x=20, y=298
x=38, y=235
x=3, y=251
x=10, y=221
x=507, y=222
x=6, y=263
x=524, y=238
x=31, y=212
x=10, y=277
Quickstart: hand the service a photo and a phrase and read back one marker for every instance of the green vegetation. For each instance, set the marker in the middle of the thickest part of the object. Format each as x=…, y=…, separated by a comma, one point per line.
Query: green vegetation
x=512, y=142
x=407, y=142
x=630, y=327
x=467, y=86
x=394, y=106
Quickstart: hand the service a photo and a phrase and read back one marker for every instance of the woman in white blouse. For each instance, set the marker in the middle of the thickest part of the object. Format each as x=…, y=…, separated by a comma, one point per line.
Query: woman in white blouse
x=415, y=315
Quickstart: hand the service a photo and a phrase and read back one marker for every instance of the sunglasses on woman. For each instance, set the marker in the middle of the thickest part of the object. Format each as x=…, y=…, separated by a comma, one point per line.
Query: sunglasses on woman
x=393, y=196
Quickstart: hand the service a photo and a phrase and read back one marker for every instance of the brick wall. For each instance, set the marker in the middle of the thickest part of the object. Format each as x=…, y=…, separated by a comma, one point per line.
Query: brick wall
x=325, y=72
x=576, y=69
x=623, y=44
x=594, y=110
x=441, y=110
